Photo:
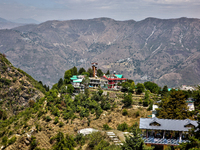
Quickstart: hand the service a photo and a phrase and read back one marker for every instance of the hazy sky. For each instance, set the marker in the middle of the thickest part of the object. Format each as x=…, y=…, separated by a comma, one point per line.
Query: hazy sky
x=43, y=10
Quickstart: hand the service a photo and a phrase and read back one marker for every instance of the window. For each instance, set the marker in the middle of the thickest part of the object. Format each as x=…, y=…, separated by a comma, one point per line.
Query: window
x=154, y=124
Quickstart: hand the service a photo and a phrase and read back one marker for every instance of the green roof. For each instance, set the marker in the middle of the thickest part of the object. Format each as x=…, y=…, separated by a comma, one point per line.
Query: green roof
x=119, y=75
x=74, y=77
x=77, y=81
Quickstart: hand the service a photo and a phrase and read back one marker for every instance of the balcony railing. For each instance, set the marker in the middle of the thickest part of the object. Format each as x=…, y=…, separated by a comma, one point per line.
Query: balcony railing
x=161, y=141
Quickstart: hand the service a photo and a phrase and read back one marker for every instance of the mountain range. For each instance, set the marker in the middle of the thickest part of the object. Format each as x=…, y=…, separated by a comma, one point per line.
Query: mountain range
x=7, y=24
x=165, y=51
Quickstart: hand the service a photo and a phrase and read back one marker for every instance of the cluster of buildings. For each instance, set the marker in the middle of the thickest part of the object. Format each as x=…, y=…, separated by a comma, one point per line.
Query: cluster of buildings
x=159, y=133
x=107, y=81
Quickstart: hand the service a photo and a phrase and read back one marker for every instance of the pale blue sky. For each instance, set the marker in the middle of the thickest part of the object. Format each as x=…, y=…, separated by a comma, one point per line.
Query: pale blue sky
x=43, y=10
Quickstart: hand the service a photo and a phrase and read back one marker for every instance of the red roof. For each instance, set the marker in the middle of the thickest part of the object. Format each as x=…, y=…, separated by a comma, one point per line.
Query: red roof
x=111, y=79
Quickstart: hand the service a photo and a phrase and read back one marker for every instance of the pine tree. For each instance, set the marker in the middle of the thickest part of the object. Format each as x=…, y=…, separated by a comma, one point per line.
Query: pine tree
x=173, y=107
x=60, y=83
x=134, y=141
x=99, y=73
x=164, y=91
x=108, y=72
x=74, y=71
x=81, y=70
x=90, y=71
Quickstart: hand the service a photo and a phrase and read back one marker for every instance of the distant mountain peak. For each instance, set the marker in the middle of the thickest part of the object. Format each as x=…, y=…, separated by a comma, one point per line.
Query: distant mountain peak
x=3, y=20
x=26, y=21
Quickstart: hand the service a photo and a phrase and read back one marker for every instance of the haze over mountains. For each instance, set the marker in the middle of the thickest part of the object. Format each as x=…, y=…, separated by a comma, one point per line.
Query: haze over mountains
x=166, y=51
x=6, y=24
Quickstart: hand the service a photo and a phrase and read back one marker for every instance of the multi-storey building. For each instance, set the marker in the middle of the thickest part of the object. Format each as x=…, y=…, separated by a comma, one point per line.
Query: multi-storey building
x=165, y=132
x=114, y=79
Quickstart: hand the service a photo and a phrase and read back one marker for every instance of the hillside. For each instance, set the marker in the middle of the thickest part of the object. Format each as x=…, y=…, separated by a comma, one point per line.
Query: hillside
x=165, y=51
x=26, y=111
x=17, y=89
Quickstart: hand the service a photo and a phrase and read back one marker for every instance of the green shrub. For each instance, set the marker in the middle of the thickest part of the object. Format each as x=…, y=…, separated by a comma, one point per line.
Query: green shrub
x=124, y=112
x=48, y=118
x=61, y=124
x=150, y=107
x=137, y=114
x=34, y=143
x=5, y=81
x=40, y=113
x=38, y=127
x=106, y=127
x=12, y=140
x=80, y=139
x=145, y=102
x=10, y=133
x=56, y=120
x=94, y=139
x=14, y=79
x=4, y=140
x=140, y=101
x=122, y=127
x=101, y=145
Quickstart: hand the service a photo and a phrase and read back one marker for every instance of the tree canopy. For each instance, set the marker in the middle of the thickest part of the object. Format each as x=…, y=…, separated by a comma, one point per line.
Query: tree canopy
x=173, y=107
x=70, y=89
x=90, y=71
x=67, y=76
x=81, y=70
x=134, y=141
x=140, y=88
x=164, y=91
x=74, y=71
x=128, y=100
x=99, y=73
x=60, y=83
x=152, y=87
x=108, y=72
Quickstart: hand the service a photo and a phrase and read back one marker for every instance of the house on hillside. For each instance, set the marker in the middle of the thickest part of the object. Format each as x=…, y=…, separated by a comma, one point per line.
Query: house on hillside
x=190, y=104
x=165, y=132
x=96, y=82
x=186, y=88
x=76, y=81
x=114, y=79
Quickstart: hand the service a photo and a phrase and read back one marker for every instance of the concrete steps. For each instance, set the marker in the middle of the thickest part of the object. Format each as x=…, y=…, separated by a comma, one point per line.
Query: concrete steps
x=114, y=138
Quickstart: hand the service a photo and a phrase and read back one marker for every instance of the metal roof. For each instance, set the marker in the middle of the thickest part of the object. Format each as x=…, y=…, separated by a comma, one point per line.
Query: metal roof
x=74, y=77
x=166, y=124
x=78, y=80
x=119, y=75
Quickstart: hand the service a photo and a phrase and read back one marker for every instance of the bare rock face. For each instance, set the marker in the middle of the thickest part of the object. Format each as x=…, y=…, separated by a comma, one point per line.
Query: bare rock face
x=165, y=51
